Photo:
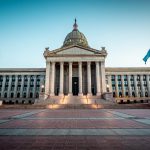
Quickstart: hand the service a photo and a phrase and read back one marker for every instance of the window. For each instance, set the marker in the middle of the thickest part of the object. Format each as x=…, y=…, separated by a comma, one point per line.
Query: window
x=113, y=88
x=119, y=77
x=125, y=83
x=120, y=88
x=1, y=78
x=5, y=95
x=13, y=78
x=144, y=77
x=19, y=78
x=125, y=77
x=7, y=78
x=12, y=88
x=24, y=88
x=25, y=78
x=119, y=82
x=18, y=88
x=113, y=77
x=37, y=88
x=24, y=95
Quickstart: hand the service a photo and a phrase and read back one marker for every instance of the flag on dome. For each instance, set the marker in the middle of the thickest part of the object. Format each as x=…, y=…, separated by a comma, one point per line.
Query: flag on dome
x=146, y=56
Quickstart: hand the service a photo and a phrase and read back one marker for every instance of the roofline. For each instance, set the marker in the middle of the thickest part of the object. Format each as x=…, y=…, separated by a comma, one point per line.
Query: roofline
x=127, y=69
x=22, y=69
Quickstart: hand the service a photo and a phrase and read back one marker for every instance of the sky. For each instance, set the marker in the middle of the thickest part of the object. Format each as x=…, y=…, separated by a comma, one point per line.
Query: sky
x=28, y=26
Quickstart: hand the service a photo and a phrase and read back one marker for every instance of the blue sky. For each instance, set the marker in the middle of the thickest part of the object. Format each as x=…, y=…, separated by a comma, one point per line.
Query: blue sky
x=28, y=26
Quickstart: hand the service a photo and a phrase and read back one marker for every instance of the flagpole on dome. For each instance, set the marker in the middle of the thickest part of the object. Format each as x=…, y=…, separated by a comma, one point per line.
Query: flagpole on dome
x=75, y=26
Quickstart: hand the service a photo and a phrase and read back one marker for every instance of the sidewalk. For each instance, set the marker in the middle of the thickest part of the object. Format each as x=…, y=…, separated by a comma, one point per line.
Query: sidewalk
x=74, y=129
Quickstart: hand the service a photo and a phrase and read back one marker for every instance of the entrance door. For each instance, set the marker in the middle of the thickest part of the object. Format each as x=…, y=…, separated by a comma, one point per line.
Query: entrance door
x=75, y=85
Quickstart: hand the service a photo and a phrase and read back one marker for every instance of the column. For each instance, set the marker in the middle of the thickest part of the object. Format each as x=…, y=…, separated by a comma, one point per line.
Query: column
x=9, y=87
x=97, y=79
x=142, y=86
x=148, y=84
x=61, y=84
x=22, y=85
x=47, y=79
x=52, y=79
x=28, y=86
x=103, y=76
x=116, y=85
x=122, y=84
x=16, y=85
x=135, y=85
x=80, y=79
x=129, y=86
x=3, y=85
x=89, y=78
x=70, y=78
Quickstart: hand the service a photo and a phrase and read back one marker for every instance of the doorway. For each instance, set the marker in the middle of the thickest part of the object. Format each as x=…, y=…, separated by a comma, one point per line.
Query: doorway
x=75, y=85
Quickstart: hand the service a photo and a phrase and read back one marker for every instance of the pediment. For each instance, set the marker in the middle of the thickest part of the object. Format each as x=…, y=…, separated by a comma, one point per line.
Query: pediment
x=74, y=50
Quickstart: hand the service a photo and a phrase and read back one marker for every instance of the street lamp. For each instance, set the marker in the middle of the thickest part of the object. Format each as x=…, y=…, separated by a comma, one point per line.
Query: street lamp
x=42, y=87
x=107, y=87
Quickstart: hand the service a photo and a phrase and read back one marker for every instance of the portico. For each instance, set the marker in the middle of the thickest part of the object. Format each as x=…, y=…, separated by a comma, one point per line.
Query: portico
x=74, y=75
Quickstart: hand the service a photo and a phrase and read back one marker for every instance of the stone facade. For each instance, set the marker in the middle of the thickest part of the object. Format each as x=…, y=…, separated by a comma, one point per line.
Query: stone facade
x=128, y=83
x=25, y=85
x=21, y=85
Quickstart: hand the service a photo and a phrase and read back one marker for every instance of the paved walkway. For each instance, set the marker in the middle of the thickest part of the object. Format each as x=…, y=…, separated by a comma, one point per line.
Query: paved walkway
x=74, y=129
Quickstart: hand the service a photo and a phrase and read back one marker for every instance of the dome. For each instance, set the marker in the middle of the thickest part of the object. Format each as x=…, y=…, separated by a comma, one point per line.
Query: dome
x=75, y=38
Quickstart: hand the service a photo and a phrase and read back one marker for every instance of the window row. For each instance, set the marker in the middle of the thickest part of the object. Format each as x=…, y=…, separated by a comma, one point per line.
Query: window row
x=12, y=95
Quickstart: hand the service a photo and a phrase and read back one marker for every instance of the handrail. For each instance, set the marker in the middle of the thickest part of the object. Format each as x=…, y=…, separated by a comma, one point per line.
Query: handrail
x=63, y=99
x=96, y=104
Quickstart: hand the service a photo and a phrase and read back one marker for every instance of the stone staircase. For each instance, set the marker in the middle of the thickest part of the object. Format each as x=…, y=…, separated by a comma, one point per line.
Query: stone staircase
x=72, y=102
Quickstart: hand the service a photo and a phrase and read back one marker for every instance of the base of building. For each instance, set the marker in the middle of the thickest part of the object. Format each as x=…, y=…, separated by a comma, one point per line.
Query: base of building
x=80, y=94
x=89, y=94
x=52, y=94
x=98, y=94
x=70, y=94
x=61, y=94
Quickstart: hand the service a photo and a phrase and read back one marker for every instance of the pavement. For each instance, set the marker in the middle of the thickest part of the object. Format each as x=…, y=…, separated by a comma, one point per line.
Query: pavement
x=74, y=129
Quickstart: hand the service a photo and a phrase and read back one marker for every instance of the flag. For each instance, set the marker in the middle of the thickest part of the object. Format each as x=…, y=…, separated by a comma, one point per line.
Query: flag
x=146, y=56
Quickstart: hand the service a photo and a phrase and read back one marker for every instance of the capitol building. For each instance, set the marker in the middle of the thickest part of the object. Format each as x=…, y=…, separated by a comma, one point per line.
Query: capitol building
x=75, y=71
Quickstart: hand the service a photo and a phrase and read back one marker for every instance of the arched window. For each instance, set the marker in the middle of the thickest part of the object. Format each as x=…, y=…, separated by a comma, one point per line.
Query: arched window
x=114, y=94
x=133, y=94
x=120, y=94
x=31, y=95
x=127, y=94
x=37, y=95
x=5, y=95
x=146, y=94
x=18, y=95
x=12, y=95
